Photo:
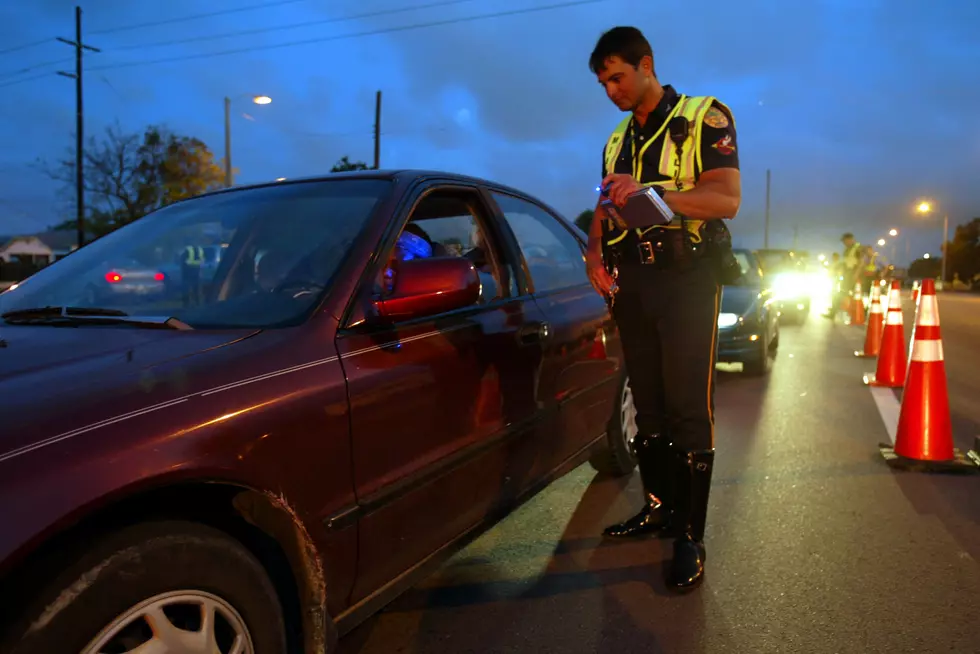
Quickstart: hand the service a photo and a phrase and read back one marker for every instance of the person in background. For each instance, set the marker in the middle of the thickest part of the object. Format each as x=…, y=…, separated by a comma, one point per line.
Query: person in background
x=191, y=259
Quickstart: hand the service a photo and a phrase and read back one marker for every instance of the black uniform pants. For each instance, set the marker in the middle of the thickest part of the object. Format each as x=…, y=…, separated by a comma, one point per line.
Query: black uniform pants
x=190, y=284
x=668, y=323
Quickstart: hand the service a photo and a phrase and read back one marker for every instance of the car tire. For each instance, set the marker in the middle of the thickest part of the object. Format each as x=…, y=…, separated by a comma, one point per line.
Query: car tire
x=615, y=457
x=761, y=363
x=133, y=573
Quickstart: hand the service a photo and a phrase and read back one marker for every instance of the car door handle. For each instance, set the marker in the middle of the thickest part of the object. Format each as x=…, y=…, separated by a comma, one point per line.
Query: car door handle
x=534, y=332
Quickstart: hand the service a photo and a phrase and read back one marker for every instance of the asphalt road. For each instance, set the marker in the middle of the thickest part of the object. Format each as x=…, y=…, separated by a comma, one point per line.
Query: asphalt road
x=814, y=543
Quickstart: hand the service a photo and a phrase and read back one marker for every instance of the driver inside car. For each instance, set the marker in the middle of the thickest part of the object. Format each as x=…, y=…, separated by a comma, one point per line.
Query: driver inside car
x=271, y=269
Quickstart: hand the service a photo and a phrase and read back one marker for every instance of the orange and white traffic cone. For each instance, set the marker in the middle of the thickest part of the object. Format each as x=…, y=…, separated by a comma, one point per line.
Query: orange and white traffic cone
x=925, y=432
x=915, y=291
x=857, y=306
x=891, y=355
x=876, y=323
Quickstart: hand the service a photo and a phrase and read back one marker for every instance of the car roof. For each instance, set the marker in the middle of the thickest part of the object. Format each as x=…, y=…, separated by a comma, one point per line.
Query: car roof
x=398, y=174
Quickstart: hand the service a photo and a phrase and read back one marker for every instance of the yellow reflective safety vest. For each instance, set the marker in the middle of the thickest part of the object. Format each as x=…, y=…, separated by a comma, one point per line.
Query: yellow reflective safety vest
x=682, y=171
x=852, y=255
x=193, y=255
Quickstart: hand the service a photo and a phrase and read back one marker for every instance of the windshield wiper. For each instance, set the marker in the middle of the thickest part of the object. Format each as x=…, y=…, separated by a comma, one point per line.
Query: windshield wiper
x=44, y=312
x=88, y=316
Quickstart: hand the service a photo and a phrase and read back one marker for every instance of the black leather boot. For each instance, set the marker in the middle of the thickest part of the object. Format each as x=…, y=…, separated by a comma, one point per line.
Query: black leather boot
x=694, y=482
x=654, y=458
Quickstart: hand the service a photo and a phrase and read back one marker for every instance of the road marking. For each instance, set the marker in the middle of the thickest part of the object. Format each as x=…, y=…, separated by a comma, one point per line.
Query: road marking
x=889, y=408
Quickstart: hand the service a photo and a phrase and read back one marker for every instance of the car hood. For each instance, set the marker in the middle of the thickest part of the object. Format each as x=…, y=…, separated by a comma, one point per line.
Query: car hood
x=47, y=371
x=738, y=299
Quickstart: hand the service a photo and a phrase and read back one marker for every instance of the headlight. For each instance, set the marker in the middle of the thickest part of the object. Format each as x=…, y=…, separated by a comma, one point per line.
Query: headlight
x=788, y=285
x=727, y=319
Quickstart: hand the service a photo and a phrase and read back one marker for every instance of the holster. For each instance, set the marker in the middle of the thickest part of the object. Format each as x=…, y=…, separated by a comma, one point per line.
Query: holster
x=718, y=250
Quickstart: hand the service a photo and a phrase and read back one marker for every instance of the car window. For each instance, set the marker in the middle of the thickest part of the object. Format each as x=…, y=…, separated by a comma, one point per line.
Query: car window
x=447, y=224
x=258, y=257
x=554, y=257
x=749, y=266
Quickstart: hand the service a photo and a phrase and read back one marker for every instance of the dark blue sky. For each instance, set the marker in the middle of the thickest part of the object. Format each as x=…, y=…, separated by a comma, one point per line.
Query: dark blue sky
x=859, y=107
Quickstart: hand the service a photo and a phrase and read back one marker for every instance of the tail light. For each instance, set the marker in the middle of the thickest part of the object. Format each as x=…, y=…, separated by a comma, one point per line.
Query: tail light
x=159, y=276
x=599, y=346
x=112, y=277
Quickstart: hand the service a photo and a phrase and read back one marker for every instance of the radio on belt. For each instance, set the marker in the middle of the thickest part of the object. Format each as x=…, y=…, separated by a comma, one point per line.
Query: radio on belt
x=643, y=208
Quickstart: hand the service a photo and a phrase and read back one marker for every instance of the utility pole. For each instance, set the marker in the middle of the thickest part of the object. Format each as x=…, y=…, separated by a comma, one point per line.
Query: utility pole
x=944, y=249
x=228, y=179
x=377, y=130
x=79, y=123
x=766, y=238
x=796, y=235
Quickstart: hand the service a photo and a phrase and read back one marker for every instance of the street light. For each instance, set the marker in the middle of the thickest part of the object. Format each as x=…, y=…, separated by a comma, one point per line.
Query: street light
x=881, y=241
x=257, y=99
x=926, y=208
x=893, y=232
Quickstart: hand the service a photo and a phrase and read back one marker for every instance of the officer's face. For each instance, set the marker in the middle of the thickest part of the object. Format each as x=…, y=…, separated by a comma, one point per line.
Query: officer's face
x=624, y=84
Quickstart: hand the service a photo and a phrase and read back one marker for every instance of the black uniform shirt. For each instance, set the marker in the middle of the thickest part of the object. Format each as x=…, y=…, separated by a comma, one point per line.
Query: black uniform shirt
x=719, y=147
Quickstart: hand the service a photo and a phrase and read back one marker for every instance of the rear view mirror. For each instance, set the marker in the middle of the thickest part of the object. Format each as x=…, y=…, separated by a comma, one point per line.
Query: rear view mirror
x=426, y=287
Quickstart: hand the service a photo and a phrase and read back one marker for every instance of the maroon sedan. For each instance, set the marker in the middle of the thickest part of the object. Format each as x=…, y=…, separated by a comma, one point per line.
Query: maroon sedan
x=383, y=364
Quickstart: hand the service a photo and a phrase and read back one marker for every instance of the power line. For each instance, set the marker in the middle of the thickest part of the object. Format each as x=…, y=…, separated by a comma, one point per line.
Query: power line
x=183, y=19
x=25, y=79
x=25, y=46
x=265, y=30
x=15, y=73
x=388, y=30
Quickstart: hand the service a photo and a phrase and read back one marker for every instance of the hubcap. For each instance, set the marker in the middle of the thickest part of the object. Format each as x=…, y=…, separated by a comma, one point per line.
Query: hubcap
x=179, y=622
x=627, y=417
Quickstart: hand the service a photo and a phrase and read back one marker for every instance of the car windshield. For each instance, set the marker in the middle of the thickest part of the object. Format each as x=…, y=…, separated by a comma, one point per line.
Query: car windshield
x=259, y=257
x=782, y=261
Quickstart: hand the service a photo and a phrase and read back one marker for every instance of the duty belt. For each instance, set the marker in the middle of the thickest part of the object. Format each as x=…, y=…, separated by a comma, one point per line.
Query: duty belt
x=660, y=248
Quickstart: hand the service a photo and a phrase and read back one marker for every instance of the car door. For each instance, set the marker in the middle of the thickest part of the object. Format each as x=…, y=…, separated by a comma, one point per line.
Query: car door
x=583, y=362
x=440, y=406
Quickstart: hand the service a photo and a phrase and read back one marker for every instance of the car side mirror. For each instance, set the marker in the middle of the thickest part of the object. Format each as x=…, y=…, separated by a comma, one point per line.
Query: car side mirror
x=426, y=287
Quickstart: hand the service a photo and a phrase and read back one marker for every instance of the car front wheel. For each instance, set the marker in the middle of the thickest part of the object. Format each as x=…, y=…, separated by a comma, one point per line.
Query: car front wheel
x=616, y=457
x=156, y=587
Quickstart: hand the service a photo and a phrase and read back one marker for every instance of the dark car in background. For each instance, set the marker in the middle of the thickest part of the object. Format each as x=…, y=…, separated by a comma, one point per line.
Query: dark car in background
x=273, y=464
x=748, y=323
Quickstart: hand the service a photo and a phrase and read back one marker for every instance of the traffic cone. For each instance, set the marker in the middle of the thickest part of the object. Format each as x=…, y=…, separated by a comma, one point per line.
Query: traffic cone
x=876, y=322
x=915, y=291
x=925, y=433
x=857, y=306
x=891, y=355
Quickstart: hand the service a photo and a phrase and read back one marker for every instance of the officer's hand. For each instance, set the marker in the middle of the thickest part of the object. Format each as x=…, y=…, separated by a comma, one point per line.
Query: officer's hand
x=601, y=280
x=620, y=186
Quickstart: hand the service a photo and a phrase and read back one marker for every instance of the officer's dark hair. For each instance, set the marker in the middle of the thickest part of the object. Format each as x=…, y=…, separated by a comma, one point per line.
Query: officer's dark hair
x=627, y=43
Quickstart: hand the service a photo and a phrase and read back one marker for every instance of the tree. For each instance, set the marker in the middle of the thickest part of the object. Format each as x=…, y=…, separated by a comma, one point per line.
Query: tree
x=925, y=268
x=346, y=164
x=129, y=175
x=964, y=251
x=584, y=220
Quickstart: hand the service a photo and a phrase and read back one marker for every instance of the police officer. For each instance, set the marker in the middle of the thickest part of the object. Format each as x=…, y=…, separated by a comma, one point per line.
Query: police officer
x=663, y=287
x=191, y=260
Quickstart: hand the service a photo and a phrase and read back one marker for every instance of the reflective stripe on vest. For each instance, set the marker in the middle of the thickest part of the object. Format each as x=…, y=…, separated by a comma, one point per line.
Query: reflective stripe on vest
x=195, y=255
x=692, y=108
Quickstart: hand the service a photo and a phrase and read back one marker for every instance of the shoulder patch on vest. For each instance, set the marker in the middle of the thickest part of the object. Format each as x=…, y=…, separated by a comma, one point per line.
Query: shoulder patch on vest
x=716, y=118
x=724, y=145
